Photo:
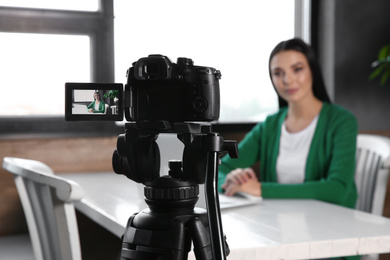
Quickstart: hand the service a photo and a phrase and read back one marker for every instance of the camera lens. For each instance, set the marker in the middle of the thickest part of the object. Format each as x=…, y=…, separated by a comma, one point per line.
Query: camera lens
x=200, y=104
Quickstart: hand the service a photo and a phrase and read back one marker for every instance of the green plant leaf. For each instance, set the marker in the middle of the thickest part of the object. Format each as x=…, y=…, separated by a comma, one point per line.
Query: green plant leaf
x=384, y=77
x=382, y=65
x=384, y=52
x=111, y=93
x=376, y=72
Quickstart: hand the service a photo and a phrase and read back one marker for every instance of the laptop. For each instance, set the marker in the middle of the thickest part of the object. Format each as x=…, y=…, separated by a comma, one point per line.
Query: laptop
x=238, y=200
x=79, y=109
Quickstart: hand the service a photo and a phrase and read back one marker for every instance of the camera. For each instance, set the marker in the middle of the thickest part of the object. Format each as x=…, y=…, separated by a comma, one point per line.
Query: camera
x=156, y=90
x=164, y=97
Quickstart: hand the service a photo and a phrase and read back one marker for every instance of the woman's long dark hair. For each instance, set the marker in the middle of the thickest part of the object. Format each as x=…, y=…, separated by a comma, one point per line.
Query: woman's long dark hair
x=299, y=45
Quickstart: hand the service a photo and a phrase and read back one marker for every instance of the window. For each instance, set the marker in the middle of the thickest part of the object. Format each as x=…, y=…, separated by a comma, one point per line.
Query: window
x=50, y=44
x=83, y=95
x=233, y=37
x=43, y=49
x=36, y=66
x=84, y=5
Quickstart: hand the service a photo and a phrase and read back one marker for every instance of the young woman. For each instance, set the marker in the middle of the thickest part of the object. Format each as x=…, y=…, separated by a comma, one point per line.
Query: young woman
x=307, y=149
x=98, y=105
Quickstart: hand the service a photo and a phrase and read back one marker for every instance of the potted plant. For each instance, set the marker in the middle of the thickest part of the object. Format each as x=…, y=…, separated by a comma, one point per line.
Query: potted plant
x=111, y=94
x=114, y=95
x=382, y=65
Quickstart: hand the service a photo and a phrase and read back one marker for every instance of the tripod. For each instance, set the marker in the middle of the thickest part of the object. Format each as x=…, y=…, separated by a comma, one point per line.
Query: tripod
x=165, y=229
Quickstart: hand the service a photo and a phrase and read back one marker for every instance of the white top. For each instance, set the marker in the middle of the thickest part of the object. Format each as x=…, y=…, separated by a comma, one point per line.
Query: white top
x=97, y=106
x=293, y=151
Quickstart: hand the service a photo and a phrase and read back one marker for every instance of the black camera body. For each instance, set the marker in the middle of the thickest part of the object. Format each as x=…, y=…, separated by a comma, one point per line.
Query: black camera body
x=156, y=90
x=162, y=90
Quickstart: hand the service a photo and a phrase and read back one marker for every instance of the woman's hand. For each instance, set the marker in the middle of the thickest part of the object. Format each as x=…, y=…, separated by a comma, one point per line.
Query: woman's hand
x=240, y=176
x=244, y=180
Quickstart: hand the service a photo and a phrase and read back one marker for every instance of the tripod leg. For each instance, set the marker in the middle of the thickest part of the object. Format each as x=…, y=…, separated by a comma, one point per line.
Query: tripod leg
x=156, y=237
x=201, y=239
x=212, y=201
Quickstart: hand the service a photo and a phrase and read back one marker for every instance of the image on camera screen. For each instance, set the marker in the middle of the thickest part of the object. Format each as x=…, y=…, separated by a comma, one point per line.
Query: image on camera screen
x=87, y=101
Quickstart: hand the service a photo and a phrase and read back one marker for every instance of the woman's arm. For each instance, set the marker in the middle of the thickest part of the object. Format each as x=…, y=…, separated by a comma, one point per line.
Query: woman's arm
x=248, y=152
x=331, y=164
x=91, y=105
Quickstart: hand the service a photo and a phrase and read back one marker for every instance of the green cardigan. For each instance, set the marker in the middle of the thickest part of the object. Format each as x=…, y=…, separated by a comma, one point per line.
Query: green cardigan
x=102, y=107
x=330, y=165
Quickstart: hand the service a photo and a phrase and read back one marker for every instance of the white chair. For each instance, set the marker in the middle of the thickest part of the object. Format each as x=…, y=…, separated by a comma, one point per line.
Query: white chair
x=372, y=171
x=47, y=202
x=371, y=174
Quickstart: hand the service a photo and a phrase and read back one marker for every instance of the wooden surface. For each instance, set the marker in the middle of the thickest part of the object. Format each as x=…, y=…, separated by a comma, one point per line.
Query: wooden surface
x=62, y=155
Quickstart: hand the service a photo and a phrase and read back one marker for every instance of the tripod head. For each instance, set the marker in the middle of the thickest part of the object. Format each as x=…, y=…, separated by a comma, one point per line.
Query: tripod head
x=138, y=157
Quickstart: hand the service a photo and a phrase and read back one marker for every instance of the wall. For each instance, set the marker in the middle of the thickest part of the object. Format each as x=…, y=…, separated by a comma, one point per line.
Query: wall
x=351, y=33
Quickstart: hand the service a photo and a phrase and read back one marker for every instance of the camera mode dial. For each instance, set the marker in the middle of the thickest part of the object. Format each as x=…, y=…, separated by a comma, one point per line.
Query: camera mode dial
x=185, y=62
x=185, y=65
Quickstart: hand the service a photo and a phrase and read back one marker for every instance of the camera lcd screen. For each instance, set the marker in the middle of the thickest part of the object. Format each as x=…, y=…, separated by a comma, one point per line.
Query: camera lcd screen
x=93, y=102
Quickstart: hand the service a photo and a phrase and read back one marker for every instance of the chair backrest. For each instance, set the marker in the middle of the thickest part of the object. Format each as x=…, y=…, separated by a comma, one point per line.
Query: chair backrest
x=47, y=202
x=372, y=170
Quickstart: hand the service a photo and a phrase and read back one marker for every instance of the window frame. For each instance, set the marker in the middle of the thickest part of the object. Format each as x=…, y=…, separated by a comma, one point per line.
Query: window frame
x=99, y=26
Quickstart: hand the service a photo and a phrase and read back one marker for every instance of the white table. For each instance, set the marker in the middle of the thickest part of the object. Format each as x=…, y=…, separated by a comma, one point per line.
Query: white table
x=272, y=229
